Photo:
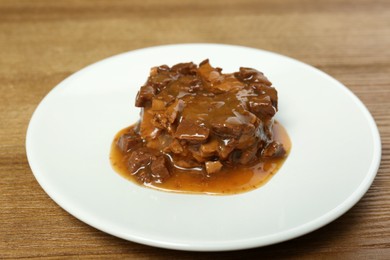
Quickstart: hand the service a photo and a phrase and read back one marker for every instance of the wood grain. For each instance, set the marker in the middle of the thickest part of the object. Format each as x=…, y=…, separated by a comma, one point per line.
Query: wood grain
x=42, y=42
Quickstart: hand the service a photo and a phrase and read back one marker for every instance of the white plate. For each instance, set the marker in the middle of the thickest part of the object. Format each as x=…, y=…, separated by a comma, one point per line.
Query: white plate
x=335, y=154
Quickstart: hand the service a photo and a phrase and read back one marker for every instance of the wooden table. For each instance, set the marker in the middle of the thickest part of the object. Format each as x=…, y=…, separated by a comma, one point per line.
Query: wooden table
x=43, y=42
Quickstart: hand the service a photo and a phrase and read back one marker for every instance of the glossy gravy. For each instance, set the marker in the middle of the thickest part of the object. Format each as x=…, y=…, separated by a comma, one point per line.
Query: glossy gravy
x=228, y=181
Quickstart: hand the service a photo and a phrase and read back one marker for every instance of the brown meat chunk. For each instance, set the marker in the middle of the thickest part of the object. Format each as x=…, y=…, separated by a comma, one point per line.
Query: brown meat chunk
x=262, y=107
x=159, y=169
x=210, y=148
x=192, y=130
x=164, y=119
x=174, y=109
x=176, y=147
x=226, y=148
x=252, y=75
x=127, y=141
x=273, y=150
x=227, y=131
x=188, y=68
x=144, y=96
x=140, y=158
x=209, y=73
x=248, y=155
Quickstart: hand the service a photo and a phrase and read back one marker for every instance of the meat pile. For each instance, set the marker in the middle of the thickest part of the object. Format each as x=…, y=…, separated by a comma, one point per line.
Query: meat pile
x=195, y=118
